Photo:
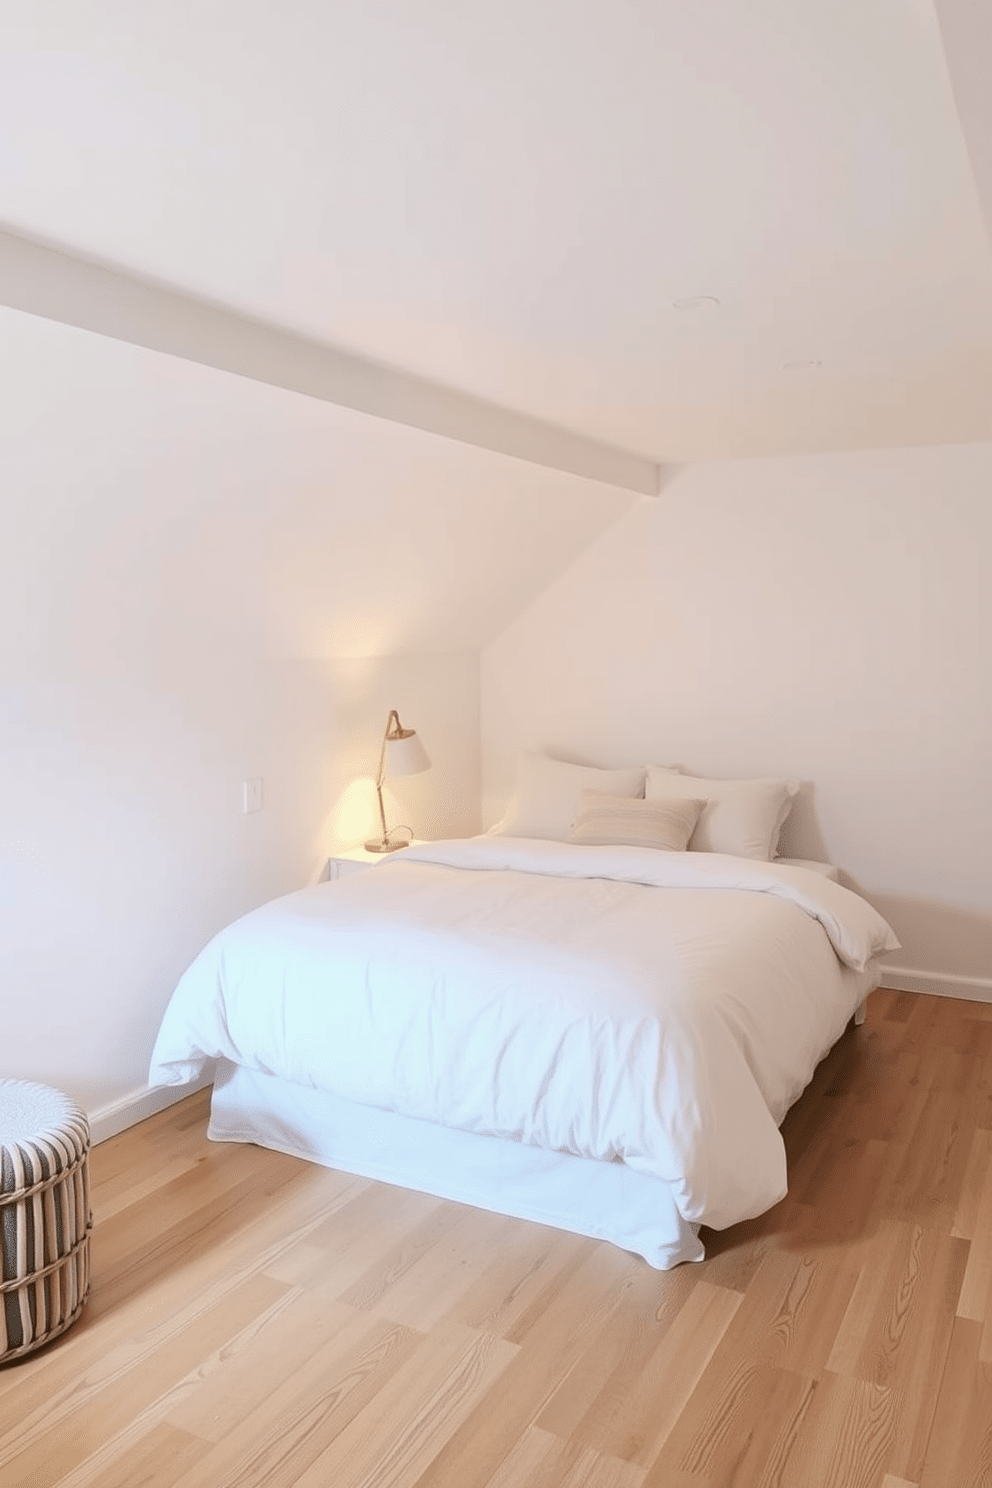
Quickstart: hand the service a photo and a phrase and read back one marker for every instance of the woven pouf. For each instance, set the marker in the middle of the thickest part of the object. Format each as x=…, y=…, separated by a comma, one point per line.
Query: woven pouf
x=44, y=1215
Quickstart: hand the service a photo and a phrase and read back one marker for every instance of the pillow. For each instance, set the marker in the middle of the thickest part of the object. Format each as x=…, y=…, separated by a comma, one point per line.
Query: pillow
x=546, y=801
x=742, y=817
x=615, y=821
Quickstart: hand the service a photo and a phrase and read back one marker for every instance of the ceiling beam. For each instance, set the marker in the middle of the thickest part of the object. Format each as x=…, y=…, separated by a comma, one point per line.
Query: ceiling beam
x=42, y=280
x=966, y=32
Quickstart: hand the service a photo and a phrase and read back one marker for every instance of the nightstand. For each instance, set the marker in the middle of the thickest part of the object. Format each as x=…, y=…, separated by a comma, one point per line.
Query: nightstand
x=355, y=859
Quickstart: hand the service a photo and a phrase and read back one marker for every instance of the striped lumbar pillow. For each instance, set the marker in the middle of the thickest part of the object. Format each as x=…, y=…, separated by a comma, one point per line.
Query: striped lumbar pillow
x=619, y=821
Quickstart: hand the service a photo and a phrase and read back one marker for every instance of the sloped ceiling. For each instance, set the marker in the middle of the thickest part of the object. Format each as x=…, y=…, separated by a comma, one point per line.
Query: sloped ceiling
x=651, y=232
x=149, y=504
x=511, y=199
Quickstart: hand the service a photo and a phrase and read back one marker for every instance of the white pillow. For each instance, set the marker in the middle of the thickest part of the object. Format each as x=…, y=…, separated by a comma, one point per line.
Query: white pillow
x=612, y=821
x=546, y=801
x=742, y=817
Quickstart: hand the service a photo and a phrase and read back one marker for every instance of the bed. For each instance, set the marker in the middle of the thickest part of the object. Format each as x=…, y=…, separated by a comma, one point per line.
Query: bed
x=602, y=1037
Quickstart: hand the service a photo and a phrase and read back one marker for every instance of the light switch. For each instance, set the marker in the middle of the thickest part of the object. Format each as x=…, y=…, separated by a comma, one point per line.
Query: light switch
x=253, y=794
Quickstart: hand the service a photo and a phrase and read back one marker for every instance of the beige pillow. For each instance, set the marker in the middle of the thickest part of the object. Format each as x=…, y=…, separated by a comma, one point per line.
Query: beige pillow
x=616, y=821
x=741, y=817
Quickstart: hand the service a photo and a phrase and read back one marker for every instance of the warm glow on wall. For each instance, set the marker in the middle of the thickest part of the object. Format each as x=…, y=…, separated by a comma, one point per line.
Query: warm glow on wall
x=353, y=815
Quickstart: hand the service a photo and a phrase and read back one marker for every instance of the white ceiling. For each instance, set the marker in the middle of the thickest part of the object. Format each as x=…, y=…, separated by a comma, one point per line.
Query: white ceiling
x=508, y=198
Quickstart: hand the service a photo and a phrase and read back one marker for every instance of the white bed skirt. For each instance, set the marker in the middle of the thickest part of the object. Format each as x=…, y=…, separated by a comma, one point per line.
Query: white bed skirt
x=607, y=1201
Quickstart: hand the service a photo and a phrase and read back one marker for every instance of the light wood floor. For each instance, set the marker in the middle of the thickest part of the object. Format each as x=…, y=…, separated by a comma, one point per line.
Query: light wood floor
x=255, y=1320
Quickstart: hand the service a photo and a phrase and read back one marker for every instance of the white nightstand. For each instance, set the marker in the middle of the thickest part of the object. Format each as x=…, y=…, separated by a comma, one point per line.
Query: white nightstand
x=355, y=859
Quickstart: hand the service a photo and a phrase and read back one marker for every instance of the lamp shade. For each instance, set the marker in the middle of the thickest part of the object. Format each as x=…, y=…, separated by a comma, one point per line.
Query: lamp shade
x=405, y=755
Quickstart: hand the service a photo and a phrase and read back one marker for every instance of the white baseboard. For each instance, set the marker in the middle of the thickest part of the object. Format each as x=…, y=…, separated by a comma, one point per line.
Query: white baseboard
x=938, y=984
x=116, y=1117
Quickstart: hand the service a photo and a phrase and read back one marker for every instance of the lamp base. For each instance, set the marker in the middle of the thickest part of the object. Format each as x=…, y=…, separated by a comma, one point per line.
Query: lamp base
x=382, y=846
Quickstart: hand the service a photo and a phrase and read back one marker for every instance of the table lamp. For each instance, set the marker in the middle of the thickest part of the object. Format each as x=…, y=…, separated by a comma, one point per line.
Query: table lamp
x=401, y=754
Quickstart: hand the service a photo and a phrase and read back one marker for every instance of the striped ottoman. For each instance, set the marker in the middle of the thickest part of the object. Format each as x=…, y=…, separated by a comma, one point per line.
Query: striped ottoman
x=44, y=1215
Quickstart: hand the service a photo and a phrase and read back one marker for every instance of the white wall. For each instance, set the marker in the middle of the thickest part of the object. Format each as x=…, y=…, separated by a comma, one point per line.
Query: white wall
x=827, y=617
x=203, y=579
x=124, y=842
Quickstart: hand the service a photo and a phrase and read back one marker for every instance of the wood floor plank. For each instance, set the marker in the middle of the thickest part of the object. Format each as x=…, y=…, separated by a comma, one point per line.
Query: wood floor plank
x=119, y=1196
x=536, y=1459
x=372, y=1234
x=378, y=1209
x=542, y=1460
x=848, y=1189
x=146, y=1252
x=734, y=1256
x=526, y=1262
x=978, y=1167
x=138, y=1462
x=791, y=1313
x=811, y=1126
x=170, y=1303
x=552, y=1336
x=634, y=1416
x=866, y=1315
x=846, y=1438
x=389, y=1283
x=985, y=1343
x=897, y=1332
x=142, y=1148
x=959, y=1450
x=396, y=1438
x=890, y=1005
x=226, y=1399
x=426, y=1284
x=749, y=1434
x=889, y=1105
x=310, y=1407
x=620, y=1350
x=777, y=1344
x=934, y=1161
x=120, y=1387
x=978, y=1273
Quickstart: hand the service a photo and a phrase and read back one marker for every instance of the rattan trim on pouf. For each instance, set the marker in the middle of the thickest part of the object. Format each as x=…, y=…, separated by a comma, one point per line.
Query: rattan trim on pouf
x=45, y=1217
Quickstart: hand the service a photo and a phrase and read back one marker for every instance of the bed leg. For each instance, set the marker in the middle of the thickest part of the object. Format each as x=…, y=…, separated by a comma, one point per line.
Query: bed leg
x=861, y=1013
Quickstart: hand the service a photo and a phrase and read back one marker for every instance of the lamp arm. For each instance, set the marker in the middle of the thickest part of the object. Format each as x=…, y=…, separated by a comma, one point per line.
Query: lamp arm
x=382, y=811
x=380, y=774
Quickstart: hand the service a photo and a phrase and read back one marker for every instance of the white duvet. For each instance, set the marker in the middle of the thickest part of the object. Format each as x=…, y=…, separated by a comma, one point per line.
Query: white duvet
x=658, y=1009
